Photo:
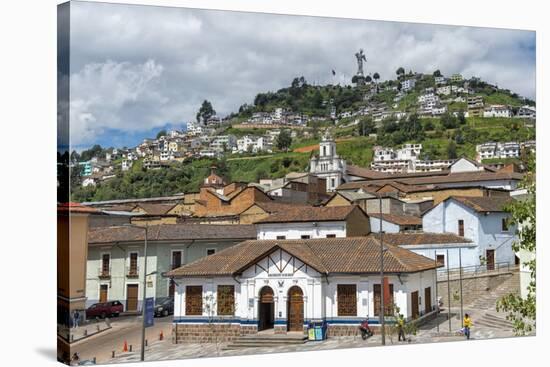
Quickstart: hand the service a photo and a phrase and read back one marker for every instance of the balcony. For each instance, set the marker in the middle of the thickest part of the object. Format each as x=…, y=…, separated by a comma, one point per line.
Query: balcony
x=133, y=272
x=104, y=273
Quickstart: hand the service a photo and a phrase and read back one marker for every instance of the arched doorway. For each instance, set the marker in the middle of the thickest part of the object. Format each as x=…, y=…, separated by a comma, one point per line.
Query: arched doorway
x=266, y=309
x=295, y=309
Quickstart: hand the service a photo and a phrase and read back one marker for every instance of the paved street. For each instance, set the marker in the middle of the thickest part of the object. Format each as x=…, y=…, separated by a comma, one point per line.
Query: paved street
x=427, y=333
x=124, y=328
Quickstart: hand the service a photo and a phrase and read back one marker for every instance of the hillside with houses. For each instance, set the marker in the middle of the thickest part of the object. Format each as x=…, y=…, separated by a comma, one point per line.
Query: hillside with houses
x=413, y=123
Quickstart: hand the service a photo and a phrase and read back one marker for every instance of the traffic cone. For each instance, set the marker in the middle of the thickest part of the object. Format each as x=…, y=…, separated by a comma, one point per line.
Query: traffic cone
x=161, y=336
x=125, y=348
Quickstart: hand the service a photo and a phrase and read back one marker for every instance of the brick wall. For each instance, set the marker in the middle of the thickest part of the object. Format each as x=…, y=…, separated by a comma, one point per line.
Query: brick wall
x=209, y=333
x=343, y=330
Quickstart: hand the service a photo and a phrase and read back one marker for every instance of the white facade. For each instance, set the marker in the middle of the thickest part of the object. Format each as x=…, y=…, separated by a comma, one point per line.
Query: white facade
x=253, y=144
x=484, y=229
x=387, y=227
x=320, y=296
x=497, y=111
x=527, y=112
x=408, y=84
x=292, y=231
x=328, y=164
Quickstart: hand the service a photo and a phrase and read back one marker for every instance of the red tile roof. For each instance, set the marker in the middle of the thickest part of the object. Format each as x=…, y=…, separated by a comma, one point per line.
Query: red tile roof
x=72, y=207
x=402, y=220
x=311, y=214
x=484, y=204
x=167, y=232
x=351, y=255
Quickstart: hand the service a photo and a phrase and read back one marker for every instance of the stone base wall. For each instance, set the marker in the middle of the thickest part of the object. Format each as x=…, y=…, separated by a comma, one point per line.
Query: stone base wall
x=343, y=330
x=279, y=329
x=210, y=333
x=472, y=288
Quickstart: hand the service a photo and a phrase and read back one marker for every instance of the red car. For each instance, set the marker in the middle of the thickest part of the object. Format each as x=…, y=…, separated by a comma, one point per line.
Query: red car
x=111, y=308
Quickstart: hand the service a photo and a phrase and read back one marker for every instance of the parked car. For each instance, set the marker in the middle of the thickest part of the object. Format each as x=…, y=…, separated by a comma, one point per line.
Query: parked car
x=102, y=310
x=164, y=306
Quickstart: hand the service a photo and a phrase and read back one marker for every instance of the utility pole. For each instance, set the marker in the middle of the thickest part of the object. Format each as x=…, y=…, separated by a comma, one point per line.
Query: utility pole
x=382, y=321
x=436, y=300
x=460, y=279
x=448, y=292
x=144, y=293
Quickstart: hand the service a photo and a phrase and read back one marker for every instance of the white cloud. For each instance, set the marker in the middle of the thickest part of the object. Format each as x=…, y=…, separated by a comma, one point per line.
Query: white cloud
x=229, y=57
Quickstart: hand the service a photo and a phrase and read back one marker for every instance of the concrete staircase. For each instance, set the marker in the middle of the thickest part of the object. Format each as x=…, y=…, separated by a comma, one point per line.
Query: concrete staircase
x=493, y=321
x=266, y=340
x=488, y=299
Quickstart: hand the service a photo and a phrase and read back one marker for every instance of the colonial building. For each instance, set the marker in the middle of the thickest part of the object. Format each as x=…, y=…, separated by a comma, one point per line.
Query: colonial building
x=281, y=285
x=328, y=164
x=314, y=222
x=479, y=219
x=115, y=262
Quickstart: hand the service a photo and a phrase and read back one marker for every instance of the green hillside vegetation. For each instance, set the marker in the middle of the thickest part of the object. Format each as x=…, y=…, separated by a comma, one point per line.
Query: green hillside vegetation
x=442, y=137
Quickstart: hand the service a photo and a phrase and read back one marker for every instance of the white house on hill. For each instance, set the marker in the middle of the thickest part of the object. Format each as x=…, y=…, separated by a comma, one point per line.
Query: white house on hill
x=479, y=219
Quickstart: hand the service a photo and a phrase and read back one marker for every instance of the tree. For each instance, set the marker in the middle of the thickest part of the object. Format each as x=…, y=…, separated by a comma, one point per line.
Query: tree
x=205, y=112
x=522, y=311
x=368, y=79
x=448, y=121
x=366, y=126
x=451, y=150
x=461, y=117
x=400, y=72
x=284, y=140
x=376, y=76
x=161, y=133
x=437, y=73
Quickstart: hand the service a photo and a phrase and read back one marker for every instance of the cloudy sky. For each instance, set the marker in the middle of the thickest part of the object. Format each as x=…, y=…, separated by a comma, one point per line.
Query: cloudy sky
x=136, y=69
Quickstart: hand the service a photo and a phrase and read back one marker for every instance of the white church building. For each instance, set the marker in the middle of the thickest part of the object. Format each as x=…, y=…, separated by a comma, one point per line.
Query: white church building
x=328, y=164
x=281, y=285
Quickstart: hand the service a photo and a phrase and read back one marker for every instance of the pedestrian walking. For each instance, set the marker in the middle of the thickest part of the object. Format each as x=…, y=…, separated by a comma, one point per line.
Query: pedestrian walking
x=76, y=318
x=401, y=328
x=467, y=325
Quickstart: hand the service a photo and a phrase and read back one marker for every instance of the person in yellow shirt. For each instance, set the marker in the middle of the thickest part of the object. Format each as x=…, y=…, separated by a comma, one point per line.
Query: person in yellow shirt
x=467, y=325
x=400, y=327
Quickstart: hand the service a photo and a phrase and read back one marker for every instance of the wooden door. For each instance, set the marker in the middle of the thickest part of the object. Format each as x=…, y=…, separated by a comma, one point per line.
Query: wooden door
x=428, y=299
x=295, y=306
x=103, y=289
x=131, y=297
x=414, y=304
x=490, y=259
x=266, y=309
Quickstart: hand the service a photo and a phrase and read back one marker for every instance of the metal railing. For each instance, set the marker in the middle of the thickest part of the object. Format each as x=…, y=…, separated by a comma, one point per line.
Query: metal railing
x=104, y=273
x=474, y=270
x=133, y=272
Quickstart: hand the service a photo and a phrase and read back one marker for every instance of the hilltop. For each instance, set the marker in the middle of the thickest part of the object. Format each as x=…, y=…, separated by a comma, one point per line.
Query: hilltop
x=443, y=114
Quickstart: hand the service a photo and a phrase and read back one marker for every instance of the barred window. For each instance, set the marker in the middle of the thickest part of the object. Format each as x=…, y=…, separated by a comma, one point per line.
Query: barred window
x=193, y=300
x=388, y=306
x=347, y=300
x=226, y=300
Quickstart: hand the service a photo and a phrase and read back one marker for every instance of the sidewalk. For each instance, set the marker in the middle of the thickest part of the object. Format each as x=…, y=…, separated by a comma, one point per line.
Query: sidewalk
x=427, y=333
x=83, y=331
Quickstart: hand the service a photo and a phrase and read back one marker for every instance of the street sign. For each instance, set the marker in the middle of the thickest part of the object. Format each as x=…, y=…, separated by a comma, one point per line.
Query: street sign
x=149, y=311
